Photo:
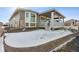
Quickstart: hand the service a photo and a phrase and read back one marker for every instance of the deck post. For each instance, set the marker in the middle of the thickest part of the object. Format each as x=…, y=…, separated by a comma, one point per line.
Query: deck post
x=63, y=24
x=52, y=20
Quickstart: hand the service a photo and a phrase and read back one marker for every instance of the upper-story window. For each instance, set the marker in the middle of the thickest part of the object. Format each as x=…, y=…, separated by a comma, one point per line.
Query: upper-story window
x=32, y=17
x=27, y=17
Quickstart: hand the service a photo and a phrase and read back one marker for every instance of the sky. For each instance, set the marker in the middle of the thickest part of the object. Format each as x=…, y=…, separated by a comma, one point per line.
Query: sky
x=68, y=12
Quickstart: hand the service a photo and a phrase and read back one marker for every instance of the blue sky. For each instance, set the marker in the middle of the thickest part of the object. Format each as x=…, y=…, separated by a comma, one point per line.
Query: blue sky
x=68, y=12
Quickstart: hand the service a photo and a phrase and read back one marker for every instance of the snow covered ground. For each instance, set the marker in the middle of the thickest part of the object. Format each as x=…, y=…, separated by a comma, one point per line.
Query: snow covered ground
x=33, y=38
x=1, y=45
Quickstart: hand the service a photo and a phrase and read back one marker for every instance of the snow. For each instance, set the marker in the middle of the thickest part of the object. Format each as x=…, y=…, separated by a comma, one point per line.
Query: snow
x=1, y=45
x=33, y=38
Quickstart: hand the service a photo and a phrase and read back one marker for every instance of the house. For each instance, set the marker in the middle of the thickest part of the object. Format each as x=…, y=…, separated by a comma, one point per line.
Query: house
x=1, y=29
x=25, y=18
x=71, y=22
x=1, y=24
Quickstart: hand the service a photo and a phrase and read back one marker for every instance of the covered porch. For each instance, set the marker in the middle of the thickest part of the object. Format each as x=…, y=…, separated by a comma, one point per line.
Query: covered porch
x=57, y=19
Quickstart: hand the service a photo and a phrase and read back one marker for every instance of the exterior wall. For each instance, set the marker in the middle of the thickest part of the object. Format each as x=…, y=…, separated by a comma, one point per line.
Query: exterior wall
x=22, y=19
x=38, y=21
x=1, y=29
x=77, y=23
x=67, y=24
x=56, y=15
x=42, y=23
x=71, y=23
x=29, y=21
x=56, y=22
x=1, y=24
x=14, y=22
x=43, y=20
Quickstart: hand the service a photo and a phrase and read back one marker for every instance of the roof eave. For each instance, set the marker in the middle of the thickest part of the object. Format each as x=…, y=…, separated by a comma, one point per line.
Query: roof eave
x=53, y=11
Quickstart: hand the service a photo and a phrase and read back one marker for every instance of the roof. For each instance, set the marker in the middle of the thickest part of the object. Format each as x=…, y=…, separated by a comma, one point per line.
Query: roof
x=52, y=10
x=23, y=9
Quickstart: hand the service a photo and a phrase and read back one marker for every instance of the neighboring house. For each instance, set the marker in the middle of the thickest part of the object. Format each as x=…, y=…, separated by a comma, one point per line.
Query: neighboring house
x=1, y=24
x=1, y=29
x=6, y=25
x=24, y=18
x=72, y=22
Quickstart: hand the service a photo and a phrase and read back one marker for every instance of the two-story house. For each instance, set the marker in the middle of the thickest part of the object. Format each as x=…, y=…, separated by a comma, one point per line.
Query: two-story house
x=25, y=18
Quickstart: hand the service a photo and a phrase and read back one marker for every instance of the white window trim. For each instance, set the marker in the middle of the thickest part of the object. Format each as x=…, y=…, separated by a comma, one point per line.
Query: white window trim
x=25, y=16
x=35, y=20
x=35, y=17
x=29, y=17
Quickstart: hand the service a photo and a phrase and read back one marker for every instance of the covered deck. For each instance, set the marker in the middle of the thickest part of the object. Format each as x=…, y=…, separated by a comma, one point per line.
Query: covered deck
x=54, y=16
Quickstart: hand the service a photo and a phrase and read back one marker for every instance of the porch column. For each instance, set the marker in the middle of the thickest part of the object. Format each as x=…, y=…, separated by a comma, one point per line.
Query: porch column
x=59, y=18
x=63, y=24
x=52, y=15
x=52, y=20
x=63, y=21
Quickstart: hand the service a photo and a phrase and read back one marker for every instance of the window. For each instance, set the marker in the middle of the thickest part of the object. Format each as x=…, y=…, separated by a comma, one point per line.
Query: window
x=27, y=14
x=27, y=24
x=32, y=17
x=32, y=24
x=27, y=17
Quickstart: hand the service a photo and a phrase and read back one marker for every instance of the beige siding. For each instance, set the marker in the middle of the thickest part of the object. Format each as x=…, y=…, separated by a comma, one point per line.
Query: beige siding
x=22, y=19
x=14, y=22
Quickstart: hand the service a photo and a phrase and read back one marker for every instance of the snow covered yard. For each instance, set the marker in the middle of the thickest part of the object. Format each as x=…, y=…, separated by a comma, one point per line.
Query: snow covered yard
x=33, y=38
x=1, y=45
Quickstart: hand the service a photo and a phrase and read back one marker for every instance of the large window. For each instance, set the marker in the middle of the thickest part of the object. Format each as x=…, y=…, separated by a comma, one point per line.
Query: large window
x=27, y=17
x=32, y=24
x=32, y=17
